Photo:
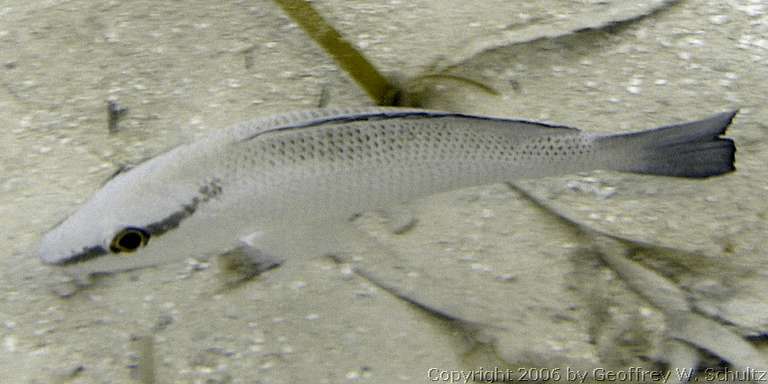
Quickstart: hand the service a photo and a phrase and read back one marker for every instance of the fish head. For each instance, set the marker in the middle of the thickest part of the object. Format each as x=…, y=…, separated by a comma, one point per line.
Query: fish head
x=145, y=216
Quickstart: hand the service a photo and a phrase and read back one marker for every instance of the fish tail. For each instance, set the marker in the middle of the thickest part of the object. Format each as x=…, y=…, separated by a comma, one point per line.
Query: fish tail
x=695, y=149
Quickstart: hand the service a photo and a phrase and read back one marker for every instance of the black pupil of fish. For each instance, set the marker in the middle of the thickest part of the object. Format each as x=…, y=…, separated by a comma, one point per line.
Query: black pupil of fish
x=130, y=240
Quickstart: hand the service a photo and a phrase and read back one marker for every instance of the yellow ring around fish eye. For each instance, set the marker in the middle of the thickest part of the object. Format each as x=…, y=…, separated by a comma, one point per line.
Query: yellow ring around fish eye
x=129, y=239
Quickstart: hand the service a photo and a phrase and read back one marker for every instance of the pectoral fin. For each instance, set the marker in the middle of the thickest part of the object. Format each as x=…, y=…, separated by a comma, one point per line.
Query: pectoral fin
x=245, y=261
x=261, y=251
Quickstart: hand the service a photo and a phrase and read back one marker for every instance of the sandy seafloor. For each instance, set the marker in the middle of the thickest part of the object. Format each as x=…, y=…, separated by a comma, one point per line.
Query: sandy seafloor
x=187, y=68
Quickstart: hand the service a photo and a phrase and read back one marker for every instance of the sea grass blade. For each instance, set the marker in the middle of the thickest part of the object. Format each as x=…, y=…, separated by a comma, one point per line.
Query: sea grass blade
x=378, y=87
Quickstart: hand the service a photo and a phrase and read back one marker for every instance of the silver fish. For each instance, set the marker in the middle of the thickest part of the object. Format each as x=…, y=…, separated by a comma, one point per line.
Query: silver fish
x=289, y=183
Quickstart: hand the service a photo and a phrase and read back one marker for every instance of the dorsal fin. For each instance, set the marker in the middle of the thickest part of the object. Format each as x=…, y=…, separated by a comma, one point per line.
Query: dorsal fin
x=306, y=119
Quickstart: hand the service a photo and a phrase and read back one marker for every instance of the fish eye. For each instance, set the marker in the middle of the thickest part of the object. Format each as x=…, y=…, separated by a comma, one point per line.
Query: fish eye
x=129, y=239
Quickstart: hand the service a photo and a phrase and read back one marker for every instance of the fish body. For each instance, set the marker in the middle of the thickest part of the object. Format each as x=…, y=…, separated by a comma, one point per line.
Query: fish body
x=289, y=182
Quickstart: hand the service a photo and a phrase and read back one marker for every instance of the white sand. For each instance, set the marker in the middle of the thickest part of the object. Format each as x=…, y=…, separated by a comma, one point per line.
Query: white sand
x=480, y=253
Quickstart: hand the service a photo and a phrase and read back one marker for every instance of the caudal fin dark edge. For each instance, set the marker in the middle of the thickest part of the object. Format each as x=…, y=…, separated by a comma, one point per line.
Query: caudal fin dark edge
x=695, y=149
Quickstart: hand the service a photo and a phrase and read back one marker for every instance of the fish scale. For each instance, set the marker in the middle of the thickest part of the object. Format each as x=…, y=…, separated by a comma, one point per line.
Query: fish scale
x=375, y=158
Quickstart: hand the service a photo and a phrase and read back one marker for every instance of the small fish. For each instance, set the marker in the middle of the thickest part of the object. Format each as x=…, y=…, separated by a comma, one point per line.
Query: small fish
x=289, y=184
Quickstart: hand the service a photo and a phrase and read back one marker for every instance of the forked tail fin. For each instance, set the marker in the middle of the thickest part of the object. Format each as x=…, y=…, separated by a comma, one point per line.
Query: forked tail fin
x=695, y=149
